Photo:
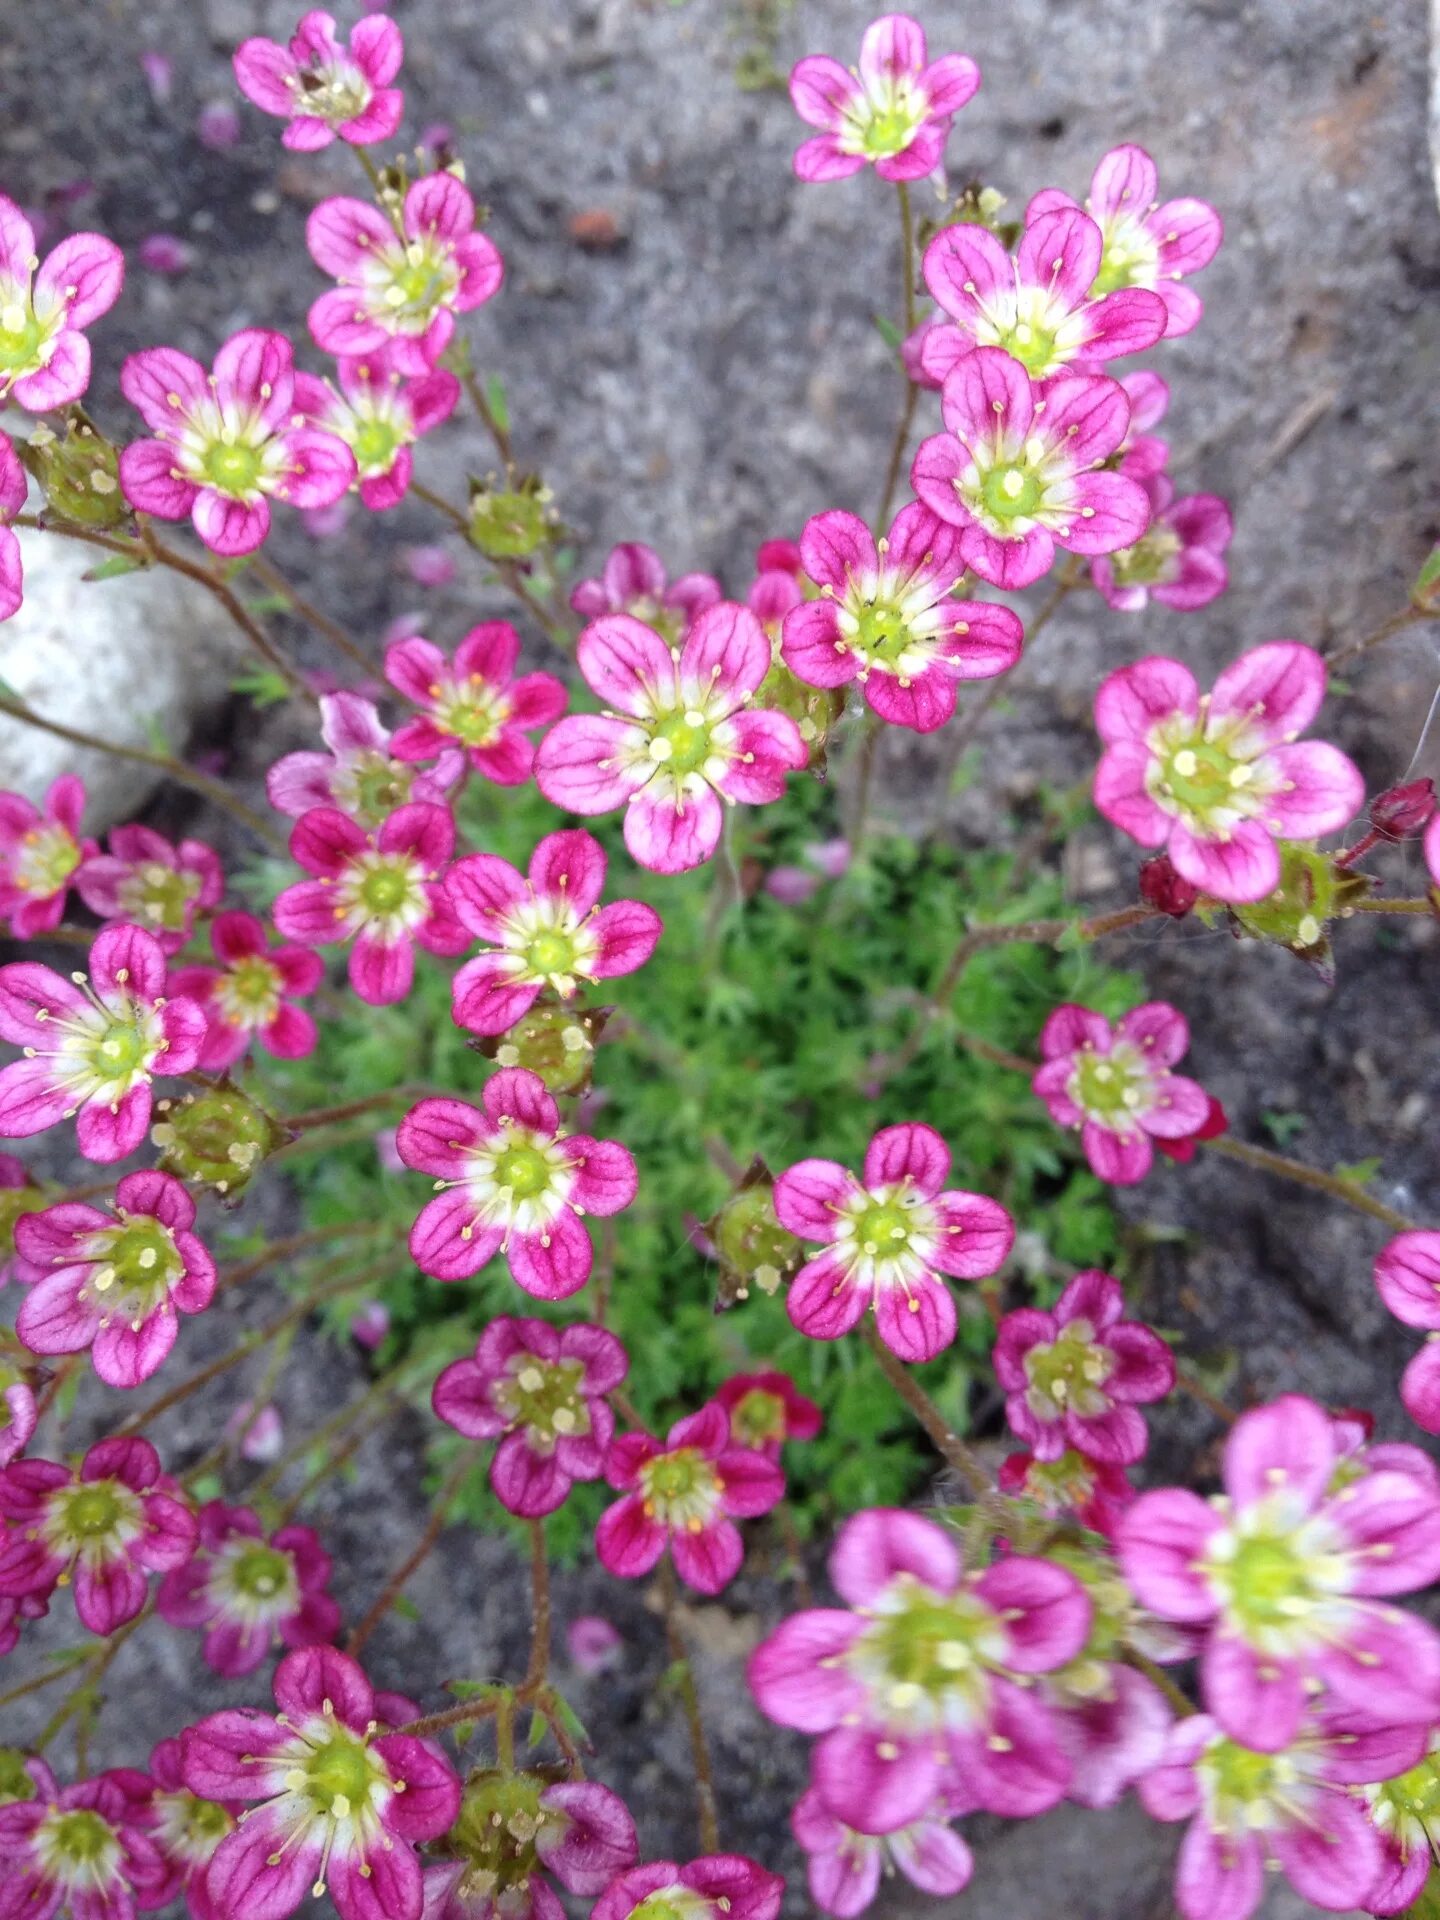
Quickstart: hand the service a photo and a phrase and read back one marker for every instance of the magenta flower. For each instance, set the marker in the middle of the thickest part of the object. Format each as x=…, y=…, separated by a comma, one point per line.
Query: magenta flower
x=886, y=617
x=186, y=1830
x=543, y=1388
x=247, y=997
x=322, y=88
x=544, y=930
x=1215, y=778
x=114, y=1282
x=1290, y=1575
x=1017, y=481
x=1402, y=1811
x=843, y=1866
x=81, y=1850
x=380, y=891
x=359, y=774
x=1035, y=304
x=474, y=702
x=226, y=442
x=767, y=1409
x=684, y=739
x=514, y=1833
x=13, y=489
x=1111, y=1723
x=1145, y=244
x=44, y=355
x=685, y=1494
x=1178, y=561
x=1431, y=848
x=888, y=1240
x=509, y=1179
x=340, y=1805
x=1073, y=1377
x=102, y=1528
x=19, y=1414
x=1143, y=453
x=1407, y=1278
x=721, y=1886
x=40, y=850
x=369, y=1327
x=892, y=112
x=593, y=1643
x=165, y=253
x=249, y=1590
x=217, y=126
x=400, y=289
x=1094, y=1492
x=379, y=414
x=142, y=878
x=926, y=1685
x=633, y=581
x=92, y=1048
x=1115, y=1084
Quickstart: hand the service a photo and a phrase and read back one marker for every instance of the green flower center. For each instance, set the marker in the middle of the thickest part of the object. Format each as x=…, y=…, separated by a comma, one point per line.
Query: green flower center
x=496, y=1830
x=1010, y=492
x=673, y=1903
x=931, y=1646
x=1268, y=1582
x=373, y=786
x=546, y=1398
x=120, y=1051
x=158, y=896
x=680, y=1489
x=80, y=1839
x=232, y=469
x=385, y=890
x=419, y=284
x=139, y=1266
x=1150, y=562
x=1107, y=1086
x=1240, y=1775
x=473, y=712
x=1201, y=775
x=92, y=1512
x=882, y=1229
x=888, y=119
x=1130, y=259
x=1034, y=346
x=48, y=857
x=375, y=445
x=524, y=1170
x=206, y=1824
x=881, y=631
x=261, y=1572
x=550, y=953
x=758, y=1418
x=1070, y=1371
x=681, y=742
x=22, y=340
x=340, y=1776
x=252, y=989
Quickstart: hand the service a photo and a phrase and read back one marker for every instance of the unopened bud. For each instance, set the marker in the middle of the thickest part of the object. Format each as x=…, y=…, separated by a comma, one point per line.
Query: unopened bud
x=1164, y=889
x=557, y=1042
x=511, y=523
x=1400, y=812
x=79, y=474
x=218, y=1137
x=752, y=1247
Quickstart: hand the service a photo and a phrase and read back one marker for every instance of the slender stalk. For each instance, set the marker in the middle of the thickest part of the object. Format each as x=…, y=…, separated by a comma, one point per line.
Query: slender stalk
x=500, y=435
x=912, y=392
x=292, y=1243
x=434, y=1723
x=309, y=612
x=1296, y=1171
x=334, y=1462
x=420, y=1552
x=1157, y=1676
x=330, y=1116
x=1197, y=1391
x=690, y=1700
x=219, y=590
x=52, y=1392
x=1408, y=616
x=539, y=1665
x=1427, y=905
x=441, y=505
x=867, y=753
x=951, y=1448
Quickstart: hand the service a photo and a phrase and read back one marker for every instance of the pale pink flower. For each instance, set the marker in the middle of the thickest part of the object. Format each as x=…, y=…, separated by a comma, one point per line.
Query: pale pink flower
x=323, y=88
x=473, y=702
x=892, y=112
x=359, y=774
x=249, y=1590
x=13, y=489
x=143, y=878
x=1178, y=561
x=379, y=414
x=593, y=1643
x=1407, y=1278
x=247, y=997
x=633, y=581
x=843, y=1866
x=371, y=1324
x=40, y=851
x=44, y=355
x=1117, y=1086
x=217, y=126
x=165, y=253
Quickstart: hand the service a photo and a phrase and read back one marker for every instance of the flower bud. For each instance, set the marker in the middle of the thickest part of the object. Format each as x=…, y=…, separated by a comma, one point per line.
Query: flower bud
x=814, y=710
x=752, y=1247
x=218, y=1137
x=79, y=474
x=1401, y=812
x=1164, y=889
x=557, y=1042
x=1313, y=891
x=511, y=523
x=16, y=1780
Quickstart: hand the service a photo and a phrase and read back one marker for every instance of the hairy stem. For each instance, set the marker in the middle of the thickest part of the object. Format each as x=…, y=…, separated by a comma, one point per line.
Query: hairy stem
x=951, y=1448
x=539, y=1665
x=1296, y=1171
x=1408, y=616
x=418, y=1554
x=314, y=616
x=690, y=1700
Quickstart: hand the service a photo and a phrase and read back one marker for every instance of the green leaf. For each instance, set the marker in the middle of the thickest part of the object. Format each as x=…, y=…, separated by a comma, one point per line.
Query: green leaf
x=112, y=568
x=405, y=1607
x=569, y=1719
x=1426, y=590
x=889, y=332
x=265, y=686
x=1283, y=1127
x=1359, y=1173
x=539, y=1725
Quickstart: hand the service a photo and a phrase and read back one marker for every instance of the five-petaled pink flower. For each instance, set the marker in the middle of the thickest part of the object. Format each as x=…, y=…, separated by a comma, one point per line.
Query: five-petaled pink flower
x=1116, y=1085
x=379, y=414
x=1215, y=778
x=13, y=489
x=1407, y=1278
x=473, y=702
x=893, y=112
x=82, y=1850
x=401, y=286
x=888, y=1239
x=685, y=736
x=105, y=1527
x=515, y=1830
x=92, y=1047
x=1074, y=1376
x=511, y=1180
x=342, y=1807
x=186, y=1830
x=142, y=878
x=843, y=1865
x=1017, y=470
x=380, y=891
x=248, y=1589
x=360, y=775
x=247, y=997
x=633, y=580
x=542, y=929
x=40, y=851
x=767, y=1409
x=226, y=442
x=721, y=1886
x=886, y=617
x=1290, y=1572
x=543, y=1388
x=1179, y=560
x=115, y=1282
x=44, y=355
x=323, y=88
x=1093, y=1491
x=685, y=1493
x=925, y=1684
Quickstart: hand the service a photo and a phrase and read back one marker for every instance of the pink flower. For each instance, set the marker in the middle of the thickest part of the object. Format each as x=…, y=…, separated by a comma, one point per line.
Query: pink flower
x=186, y=1830
x=888, y=1241
x=544, y=930
x=91, y=1049
x=152, y=884
x=226, y=442
x=13, y=489
x=1407, y=1278
x=543, y=1388
x=511, y=1180
x=1073, y=1377
x=400, y=289
x=247, y=997
x=593, y=1643
x=1211, y=1127
x=1403, y=1813
x=1036, y=304
x=721, y=1886
x=249, y=1590
x=1431, y=846
x=322, y=88
x=217, y=126
x=685, y=1494
x=767, y=1409
x=1145, y=244
x=19, y=1415
x=40, y=849
x=1177, y=562
x=1111, y=1723
x=1291, y=1575
x=1094, y=1492
x=339, y=1804
x=114, y=1282
x=893, y=112
x=44, y=355
x=474, y=702
x=369, y=1327
x=685, y=736
x=379, y=414
x=926, y=1686
x=432, y=566
x=1115, y=1084
x=1141, y=452
x=380, y=891
x=1017, y=481
x=159, y=71
x=260, y=1431
x=843, y=1866
x=1215, y=778
x=886, y=617
x=633, y=581
x=359, y=775
x=165, y=253
x=103, y=1528
x=514, y=1832
x=81, y=1850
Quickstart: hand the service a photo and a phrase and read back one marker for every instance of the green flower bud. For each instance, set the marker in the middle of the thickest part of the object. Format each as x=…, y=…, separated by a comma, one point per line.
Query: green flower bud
x=555, y=1041
x=511, y=523
x=1312, y=893
x=79, y=474
x=219, y=1137
x=753, y=1249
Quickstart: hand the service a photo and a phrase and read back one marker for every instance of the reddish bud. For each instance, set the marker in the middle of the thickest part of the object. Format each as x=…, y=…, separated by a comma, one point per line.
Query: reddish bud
x=1210, y=1128
x=1162, y=887
x=1405, y=810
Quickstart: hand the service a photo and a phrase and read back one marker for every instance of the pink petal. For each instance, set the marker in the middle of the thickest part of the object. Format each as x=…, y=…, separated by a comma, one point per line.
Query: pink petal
x=1407, y=1276
x=910, y=1152
x=1161, y=1538
x=569, y=866
x=1287, y=1445
x=710, y=1559
x=84, y=274
x=950, y=83
x=1125, y=181
x=627, y=664
x=724, y=659
x=148, y=481
x=823, y=1302
x=820, y=89
x=1045, y=1609
x=1257, y=1698
x=834, y=546
x=768, y=745
x=1218, y=1877
x=1276, y=689
x=916, y=1322
x=554, y=1264
x=627, y=932
x=1320, y=790
x=343, y=236
x=1060, y=250
x=808, y=1196
x=872, y=1778
x=976, y=1235
x=670, y=836
x=585, y=763
x=606, y=1179
x=627, y=1542
x=229, y=527
x=988, y=394
x=438, y=1243
x=795, y=1676
x=876, y=1546
x=1246, y=866
x=812, y=648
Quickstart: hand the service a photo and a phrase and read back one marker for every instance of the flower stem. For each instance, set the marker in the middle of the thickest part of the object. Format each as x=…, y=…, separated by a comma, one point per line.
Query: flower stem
x=912, y=392
x=1408, y=616
x=1157, y=1676
x=307, y=611
x=539, y=1609
x=420, y=1552
x=1284, y=1168
x=499, y=434
x=690, y=1699
x=329, y=1116
x=951, y=1448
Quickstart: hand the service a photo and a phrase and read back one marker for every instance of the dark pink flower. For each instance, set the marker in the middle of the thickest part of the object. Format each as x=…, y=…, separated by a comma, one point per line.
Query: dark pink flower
x=1116, y=1085
x=473, y=702
x=721, y=1886
x=19, y=1415
x=510, y=1179
x=1407, y=1278
x=226, y=442
x=359, y=774
x=1094, y=1492
x=543, y=1389
x=767, y=1409
x=165, y=253
x=247, y=997
x=888, y=1240
x=323, y=88
x=546, y=929
x=843, y=1866
x=686, y=1494
x=186, y=1830
x=514, y=1832
x=44, y=355
x=13, y=489
x=1432, y=850
x=92, y=1047
x=340, y=1805
x=40, y=850
x=892, y=112
x=81, y=1850
x=379, y=414
x=428, y=566
x=369, y=1327
x=142, y=878
x=249, y=1590
x=633, y=581
x=886, y=617
x=380, y=891
x=1161, y=887
x=1141, y=452
x=1178, y=561
x=1215, y=1123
